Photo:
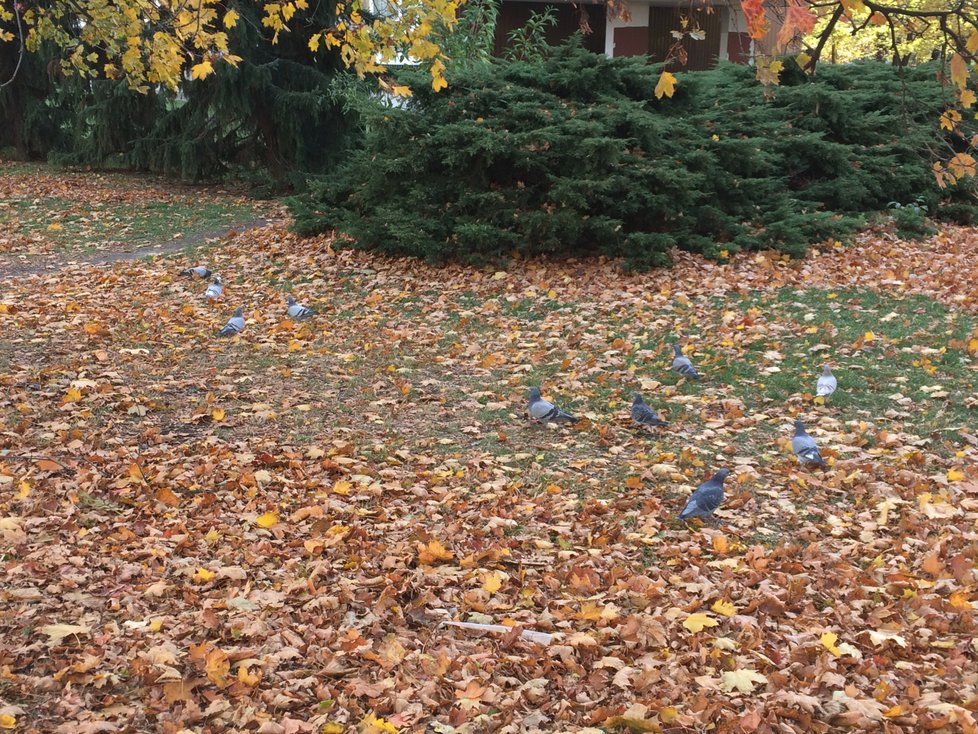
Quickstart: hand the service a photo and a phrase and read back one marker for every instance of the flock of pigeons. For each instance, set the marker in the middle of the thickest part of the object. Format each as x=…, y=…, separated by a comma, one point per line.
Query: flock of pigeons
x=704, y=500
x=708, y=496
x=236, y=323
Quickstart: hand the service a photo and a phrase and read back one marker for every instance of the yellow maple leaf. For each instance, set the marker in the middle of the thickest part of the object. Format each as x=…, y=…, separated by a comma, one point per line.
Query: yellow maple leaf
x=742, y=680
x=869, y=336
x=203, y=575
x=199, y=71
x=955, y=475
x=828, y=640
x=371, y=724
x=666, y=86
x=73, y=395
x=696, y=622
x=7, y=721
x=967, y=98
x=247, y=677
x=231, y=18
x=217, y=414
x=267, y=520
x=55, y=227
x=726, y=608
x=492, y=581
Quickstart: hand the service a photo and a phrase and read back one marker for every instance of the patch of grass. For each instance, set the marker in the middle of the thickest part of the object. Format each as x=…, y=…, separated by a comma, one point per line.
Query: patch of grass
x=81, y=227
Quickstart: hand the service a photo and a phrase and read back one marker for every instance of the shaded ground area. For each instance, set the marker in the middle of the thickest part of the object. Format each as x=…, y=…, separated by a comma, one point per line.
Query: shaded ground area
x=264, y=533
x=49, y=217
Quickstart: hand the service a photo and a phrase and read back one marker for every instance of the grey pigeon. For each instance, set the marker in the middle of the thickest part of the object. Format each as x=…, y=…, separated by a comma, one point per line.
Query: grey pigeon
x=804, y=446
x=706, y=498
x=545, y=411
x=827, y=383
x=235, y=324
x=297, y=311
x=643, y=414
x=199, y=270
x=682, y=365
x=215, y=289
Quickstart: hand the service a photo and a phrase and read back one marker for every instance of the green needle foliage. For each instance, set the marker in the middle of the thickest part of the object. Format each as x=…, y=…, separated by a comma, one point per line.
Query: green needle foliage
x=572, y=155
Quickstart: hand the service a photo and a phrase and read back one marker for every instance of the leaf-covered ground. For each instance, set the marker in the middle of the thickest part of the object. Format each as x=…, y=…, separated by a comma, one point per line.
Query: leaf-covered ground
x=267, y=533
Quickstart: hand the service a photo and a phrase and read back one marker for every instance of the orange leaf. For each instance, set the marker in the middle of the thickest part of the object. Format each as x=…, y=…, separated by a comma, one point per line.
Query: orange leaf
x=432, y=553
x=217, y=667
x=167, y=497
x=959, y=71
x=932, y=565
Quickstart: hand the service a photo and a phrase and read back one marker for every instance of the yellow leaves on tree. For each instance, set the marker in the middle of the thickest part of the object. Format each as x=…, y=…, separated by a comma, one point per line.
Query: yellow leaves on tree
x=154, y=43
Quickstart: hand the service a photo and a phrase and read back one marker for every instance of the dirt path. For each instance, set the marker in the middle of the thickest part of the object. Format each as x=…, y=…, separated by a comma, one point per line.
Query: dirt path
x=37, y=265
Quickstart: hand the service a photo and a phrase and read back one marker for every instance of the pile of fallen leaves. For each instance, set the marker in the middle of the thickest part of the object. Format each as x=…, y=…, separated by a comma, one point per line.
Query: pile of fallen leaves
x=270, y=533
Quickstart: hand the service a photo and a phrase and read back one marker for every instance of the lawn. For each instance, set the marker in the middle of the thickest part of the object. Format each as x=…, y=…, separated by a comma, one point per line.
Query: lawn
x=265, y=533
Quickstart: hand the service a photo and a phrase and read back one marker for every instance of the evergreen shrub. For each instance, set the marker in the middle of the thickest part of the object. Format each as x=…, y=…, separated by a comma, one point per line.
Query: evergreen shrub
x=573, y=155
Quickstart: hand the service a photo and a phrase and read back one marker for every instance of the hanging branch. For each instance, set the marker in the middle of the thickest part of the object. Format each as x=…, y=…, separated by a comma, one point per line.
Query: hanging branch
x=20, y=52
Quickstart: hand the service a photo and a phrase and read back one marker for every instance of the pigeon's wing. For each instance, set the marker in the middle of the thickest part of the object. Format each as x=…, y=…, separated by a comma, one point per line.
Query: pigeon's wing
x=826, y=385
x=542, y=409
x=704, y=501
x=683, y=366
x=235, y=325
x=806, y=450
x=562, y=417
x=644, y=415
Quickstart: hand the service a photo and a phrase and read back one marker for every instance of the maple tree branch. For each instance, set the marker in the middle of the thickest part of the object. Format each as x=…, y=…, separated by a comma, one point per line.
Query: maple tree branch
x=824, y=37
x=889, y=10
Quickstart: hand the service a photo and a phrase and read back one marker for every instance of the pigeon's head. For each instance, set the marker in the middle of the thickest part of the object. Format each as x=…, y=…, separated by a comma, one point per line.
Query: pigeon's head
x=239, y=313
x=290, y=300
x=826, y=371
x=721, y=475
x=534, y=394
x=677, y=349
x=799, y=426
x=637, y=399
x=217, y=280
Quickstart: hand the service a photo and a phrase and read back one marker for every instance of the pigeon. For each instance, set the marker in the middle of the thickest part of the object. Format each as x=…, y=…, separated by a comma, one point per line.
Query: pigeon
x=706, y=498
x=235, y=324
x=545, y=411
x=804, y=446
x=682, y=365
x=826, y=383
x=644, y=415
x=215, y=289
x=199, y=270
x=297, y=311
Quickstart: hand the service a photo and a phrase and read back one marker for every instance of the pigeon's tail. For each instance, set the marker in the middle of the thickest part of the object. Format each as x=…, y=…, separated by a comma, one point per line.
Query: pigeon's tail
x=690, y=510
x=824, y=392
